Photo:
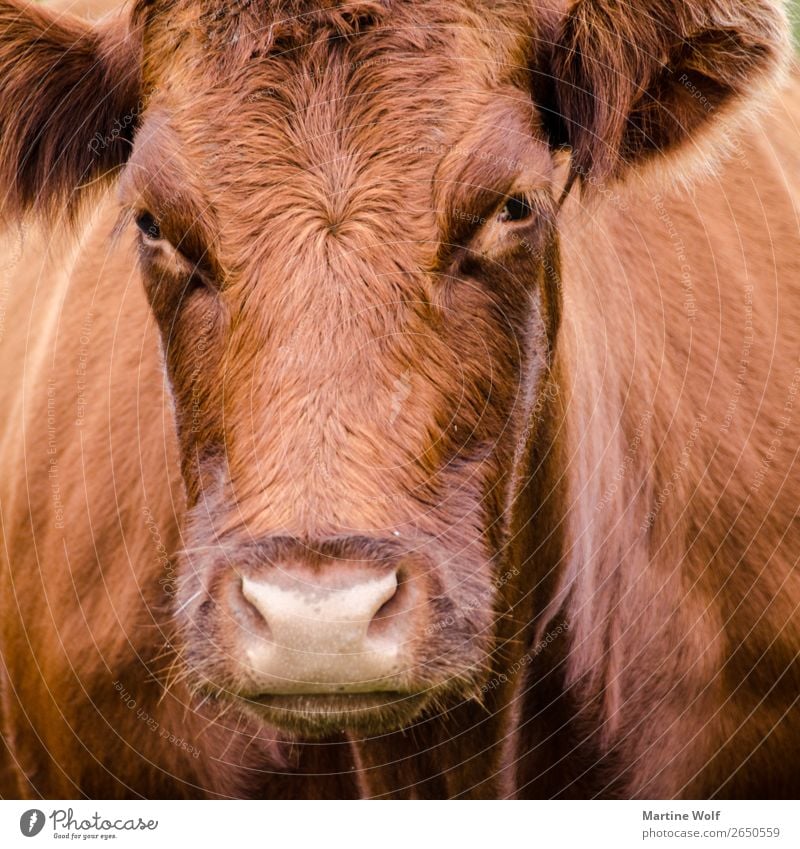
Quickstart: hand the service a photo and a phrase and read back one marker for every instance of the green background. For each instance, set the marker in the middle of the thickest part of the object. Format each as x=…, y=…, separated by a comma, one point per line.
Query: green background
x=794, y=8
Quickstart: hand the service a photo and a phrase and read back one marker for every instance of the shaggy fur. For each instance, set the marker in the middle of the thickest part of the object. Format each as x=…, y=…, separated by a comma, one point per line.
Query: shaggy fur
x=61, y=81
x=624, y=86
x=330, y=339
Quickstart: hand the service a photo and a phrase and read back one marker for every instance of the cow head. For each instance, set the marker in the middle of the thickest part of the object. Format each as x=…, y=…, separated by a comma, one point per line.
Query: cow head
x=347, y=221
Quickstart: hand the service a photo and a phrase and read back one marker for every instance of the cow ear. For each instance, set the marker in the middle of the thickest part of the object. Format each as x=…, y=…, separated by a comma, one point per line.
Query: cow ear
x=69, y=100
x=624, y=83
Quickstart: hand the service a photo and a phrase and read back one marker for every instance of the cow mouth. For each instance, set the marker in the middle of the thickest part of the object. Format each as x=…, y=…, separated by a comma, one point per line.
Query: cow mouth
x=316, y=715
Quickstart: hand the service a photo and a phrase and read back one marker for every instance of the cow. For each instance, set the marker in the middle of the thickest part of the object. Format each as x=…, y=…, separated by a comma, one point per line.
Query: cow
x=400, y=400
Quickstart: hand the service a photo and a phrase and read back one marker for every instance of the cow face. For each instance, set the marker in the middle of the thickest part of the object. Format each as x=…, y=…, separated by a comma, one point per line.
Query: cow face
x=345, y=254
x=347, y=234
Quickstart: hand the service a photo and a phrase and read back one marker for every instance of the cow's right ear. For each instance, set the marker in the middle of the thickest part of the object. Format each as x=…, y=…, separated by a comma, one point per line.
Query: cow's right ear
x=69, y=103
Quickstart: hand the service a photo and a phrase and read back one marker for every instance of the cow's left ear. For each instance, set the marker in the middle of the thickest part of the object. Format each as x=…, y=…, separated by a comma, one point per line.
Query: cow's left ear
x=624, y=83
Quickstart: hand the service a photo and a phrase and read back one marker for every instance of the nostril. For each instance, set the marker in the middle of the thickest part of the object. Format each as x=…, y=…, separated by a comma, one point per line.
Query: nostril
x=388, y=618
x=252, y=608
x=387, y=600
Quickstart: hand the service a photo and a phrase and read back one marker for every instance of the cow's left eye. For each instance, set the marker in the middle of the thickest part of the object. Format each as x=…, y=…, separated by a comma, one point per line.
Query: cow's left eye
x=516, y=208
x=148, y=226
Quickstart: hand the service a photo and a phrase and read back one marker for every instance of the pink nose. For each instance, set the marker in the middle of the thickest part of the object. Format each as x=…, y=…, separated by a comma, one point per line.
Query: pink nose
x=340, y=630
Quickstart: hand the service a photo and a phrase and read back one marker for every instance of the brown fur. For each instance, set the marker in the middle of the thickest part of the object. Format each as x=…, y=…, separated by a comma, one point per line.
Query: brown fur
x=359, y=353
x=623, y=85
x=61, y=82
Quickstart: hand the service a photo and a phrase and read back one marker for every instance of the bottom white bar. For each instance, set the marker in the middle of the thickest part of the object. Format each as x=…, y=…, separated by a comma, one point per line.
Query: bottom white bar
x=400, y=825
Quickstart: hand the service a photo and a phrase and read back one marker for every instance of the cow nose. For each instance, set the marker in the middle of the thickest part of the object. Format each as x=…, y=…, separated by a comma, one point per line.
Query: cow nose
x=338, y=635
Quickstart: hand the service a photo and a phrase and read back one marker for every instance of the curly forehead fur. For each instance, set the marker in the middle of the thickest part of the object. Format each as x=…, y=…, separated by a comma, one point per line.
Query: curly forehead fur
x=271, y=24
x=245, y=30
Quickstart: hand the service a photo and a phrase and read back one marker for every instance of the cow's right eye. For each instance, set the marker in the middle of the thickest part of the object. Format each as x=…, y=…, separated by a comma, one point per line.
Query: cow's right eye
x=517, y=208
x=148, y=226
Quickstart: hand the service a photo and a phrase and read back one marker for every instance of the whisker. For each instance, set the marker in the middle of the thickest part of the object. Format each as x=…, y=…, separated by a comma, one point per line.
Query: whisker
x=188, y=602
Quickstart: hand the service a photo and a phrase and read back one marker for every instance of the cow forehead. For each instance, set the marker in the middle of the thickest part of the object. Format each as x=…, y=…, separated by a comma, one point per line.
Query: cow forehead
x=258, y=27
x=428, y=53
x=338, y=137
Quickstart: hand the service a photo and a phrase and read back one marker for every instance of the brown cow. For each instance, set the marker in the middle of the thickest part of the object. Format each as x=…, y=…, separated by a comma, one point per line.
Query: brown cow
x=347, y=452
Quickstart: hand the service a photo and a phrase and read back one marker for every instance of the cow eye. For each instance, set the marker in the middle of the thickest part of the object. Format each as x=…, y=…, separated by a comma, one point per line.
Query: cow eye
x=148, y=226
x=516, y=208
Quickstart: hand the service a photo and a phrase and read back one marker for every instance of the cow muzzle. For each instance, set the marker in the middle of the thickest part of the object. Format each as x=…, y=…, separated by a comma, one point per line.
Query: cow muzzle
x=331, y=618
x=342, y=631
x=355, y=633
